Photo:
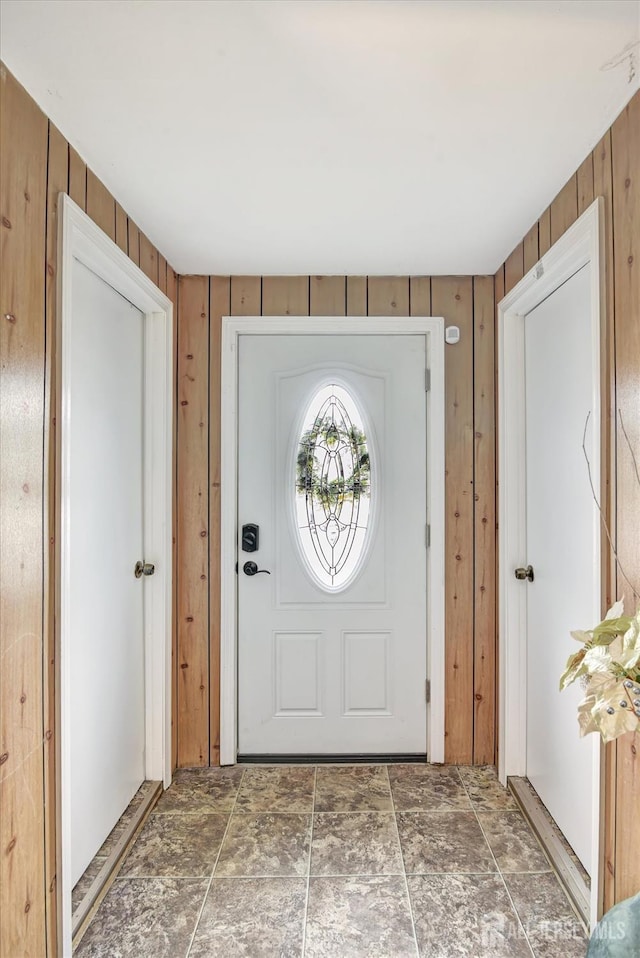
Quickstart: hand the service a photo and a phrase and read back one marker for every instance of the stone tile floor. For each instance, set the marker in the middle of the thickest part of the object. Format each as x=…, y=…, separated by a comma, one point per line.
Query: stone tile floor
x=335, y=862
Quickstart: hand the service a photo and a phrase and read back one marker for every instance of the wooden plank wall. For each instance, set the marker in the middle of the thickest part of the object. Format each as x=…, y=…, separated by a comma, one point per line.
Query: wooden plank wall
x=612, y=171
x=470, y=483
x=37, y=164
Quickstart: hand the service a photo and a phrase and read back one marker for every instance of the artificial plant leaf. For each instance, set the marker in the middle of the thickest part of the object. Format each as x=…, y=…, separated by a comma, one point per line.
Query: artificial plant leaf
x=581, y=636
x=598, y=659
x=607, y=630
x=616, y=610
x=609, y=694
x=586, y=720
x=575, y=668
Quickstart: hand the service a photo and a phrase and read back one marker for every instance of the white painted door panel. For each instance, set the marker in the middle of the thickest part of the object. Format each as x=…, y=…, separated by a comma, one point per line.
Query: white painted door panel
x=560, y=547
x=320, y=671
x=105, y=539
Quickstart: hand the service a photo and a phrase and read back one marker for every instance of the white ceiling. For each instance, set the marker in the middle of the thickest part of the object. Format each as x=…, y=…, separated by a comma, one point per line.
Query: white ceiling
x=328, y=136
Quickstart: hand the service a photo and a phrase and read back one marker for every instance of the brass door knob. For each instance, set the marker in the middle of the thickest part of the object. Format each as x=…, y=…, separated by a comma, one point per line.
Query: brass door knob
x=527, y=573
x=143, y=568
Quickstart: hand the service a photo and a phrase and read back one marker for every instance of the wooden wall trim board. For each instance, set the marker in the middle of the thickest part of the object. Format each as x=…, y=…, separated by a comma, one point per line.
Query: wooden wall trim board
x=37, y=164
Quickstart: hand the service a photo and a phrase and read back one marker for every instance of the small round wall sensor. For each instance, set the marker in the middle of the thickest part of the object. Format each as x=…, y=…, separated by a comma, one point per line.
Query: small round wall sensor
x=452, y=335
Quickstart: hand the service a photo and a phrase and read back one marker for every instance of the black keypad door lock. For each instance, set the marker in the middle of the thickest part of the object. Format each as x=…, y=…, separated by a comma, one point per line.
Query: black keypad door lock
x=250, y=537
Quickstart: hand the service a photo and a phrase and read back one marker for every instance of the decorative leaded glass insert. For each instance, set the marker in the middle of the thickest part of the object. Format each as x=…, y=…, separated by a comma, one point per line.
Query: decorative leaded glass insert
x=333, y=487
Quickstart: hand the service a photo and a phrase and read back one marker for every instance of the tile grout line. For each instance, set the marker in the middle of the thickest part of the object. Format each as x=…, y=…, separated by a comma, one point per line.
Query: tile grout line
x=498, y=869
x=404, y=870
x=306, y=900
x=213, y=870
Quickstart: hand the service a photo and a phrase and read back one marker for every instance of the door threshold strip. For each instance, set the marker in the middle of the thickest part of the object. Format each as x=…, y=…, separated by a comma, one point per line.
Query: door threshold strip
x=353, y=758
x=568, y=872
x=99, y=887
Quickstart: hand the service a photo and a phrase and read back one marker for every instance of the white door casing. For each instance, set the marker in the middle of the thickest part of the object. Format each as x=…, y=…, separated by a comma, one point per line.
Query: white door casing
x=334, y=666
x=233, y=330
x=84, y=247
x=580, y=246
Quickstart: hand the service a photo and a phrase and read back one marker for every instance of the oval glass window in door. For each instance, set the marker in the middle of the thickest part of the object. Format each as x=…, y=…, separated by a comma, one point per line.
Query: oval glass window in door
x=333, y=487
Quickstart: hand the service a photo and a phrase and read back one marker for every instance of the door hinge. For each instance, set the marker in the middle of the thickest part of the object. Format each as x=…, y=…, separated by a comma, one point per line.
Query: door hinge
x=427, y=535
x=427, y=380
x=427, y=690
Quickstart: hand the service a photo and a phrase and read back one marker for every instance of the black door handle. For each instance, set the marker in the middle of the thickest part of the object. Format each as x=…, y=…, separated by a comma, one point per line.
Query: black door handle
x=251, y=568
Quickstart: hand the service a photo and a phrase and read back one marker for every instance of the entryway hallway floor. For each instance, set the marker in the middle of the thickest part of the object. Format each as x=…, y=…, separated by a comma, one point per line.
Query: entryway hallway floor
x=394, y=861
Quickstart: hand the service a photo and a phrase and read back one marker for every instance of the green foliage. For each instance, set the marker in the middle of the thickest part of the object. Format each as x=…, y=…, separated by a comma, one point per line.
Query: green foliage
x=344, y=487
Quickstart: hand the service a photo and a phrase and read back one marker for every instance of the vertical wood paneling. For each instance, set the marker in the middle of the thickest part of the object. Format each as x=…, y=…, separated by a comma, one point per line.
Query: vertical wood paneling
x=388, y=296
x=122, y=235
x=603, y=186
x=452, y=297
x=172, y=293
x=246, y=296
x=23, y=179
x=544, y=232
x=564, y=209
x=484, y=549
x=148, y=259
x=625, y=152
x=356, y=295
x=134, y=241
x=514, y=268
x=285, y=296
x=57, y=179
x=162, y=274
x=584, y=179
x=77, y=179
x=220, y=305
x=101, y=206
x=193, y=521
x=420, y=295
x=530, y=249
x=328, y=295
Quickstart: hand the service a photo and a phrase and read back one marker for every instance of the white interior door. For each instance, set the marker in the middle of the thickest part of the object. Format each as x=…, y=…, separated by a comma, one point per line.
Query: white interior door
x=105, y=535
x=560, y=547
x=332, y=644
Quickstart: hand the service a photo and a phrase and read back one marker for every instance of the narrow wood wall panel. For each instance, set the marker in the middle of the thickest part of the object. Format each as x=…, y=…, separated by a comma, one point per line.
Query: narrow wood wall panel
x=220, y=305
x=514, y=268
x=57, y=179
x=420, y=295
x=193, y=521
x=246, y=296
x=484, y=550
x=101, y=205
x=162, y=273
x=603, y=186
x=564, y=209
x=530, y=249
x=285, y=296
x=23, y=179
x=148, y=259
x=452, y=297
x=625, y=152
x=77, y=179
x=122, y=229
x=134, y=241
x=388, y=296
x=584, y=181
x=328, y=295
x=172, y=293
x=544, y=231
x=356, y=295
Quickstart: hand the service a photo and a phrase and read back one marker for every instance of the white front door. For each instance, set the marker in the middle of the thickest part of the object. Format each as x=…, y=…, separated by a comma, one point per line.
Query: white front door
x=332, y=643
x=106, y=718
x=560, y=548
